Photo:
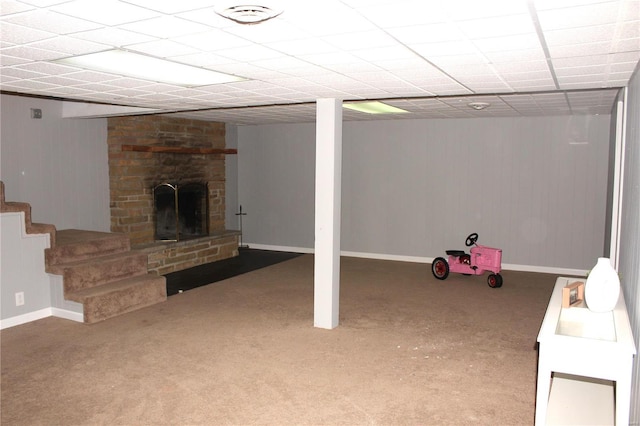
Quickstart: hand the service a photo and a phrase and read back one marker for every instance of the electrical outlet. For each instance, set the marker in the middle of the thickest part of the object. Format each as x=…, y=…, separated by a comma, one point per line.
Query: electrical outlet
x=36, y=113
x=20, y=298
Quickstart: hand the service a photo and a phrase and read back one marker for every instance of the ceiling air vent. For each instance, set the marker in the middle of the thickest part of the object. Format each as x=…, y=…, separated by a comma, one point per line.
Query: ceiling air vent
x=248, y=13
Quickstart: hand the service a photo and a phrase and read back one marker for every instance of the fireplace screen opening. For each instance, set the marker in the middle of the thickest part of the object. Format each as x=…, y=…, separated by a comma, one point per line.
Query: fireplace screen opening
x=181, y=211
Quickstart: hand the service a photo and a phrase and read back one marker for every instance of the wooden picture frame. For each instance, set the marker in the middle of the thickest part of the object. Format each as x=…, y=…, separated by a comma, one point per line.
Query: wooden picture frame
x=573, y=294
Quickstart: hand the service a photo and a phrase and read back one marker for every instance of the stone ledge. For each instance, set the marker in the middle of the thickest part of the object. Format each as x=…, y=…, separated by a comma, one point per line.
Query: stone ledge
x=165, y=257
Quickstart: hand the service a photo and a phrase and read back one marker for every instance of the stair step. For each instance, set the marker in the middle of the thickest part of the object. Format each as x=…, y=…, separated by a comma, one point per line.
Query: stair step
x=119, y=297
x=76, y=245
x=100, y=270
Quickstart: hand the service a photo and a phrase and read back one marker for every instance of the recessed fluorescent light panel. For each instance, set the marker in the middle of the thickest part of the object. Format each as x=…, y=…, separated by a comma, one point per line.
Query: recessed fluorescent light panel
x=145, y=67
x=373, y=107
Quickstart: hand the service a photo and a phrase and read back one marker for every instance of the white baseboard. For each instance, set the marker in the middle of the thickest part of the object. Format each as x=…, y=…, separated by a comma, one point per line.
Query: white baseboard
x=69, y=315
x=420, y=259
x=25, y=318
x=280, y=248
x=40, y=314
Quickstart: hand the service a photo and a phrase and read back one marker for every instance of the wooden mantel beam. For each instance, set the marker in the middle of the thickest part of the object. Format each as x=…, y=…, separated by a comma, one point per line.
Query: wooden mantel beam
x=178, y=150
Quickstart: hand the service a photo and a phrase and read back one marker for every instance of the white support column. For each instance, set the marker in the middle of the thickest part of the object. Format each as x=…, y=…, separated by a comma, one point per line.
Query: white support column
x=327, y=227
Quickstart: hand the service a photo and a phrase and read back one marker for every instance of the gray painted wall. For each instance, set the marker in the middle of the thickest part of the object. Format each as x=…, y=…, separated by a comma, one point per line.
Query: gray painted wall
x=535, y=187
x=629, y=261
x=57, y=165
x=231, y=179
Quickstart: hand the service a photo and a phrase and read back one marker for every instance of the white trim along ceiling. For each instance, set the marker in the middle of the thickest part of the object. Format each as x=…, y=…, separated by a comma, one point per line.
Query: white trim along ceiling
x=430, y=58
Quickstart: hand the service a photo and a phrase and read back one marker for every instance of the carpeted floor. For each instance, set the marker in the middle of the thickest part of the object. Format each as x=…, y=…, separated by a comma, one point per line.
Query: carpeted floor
x=410, y=350
x=247, y=260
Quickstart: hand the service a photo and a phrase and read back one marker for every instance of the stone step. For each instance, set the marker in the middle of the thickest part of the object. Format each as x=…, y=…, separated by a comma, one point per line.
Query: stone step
x=100, y=270
x=119, y=297
x=76, y=245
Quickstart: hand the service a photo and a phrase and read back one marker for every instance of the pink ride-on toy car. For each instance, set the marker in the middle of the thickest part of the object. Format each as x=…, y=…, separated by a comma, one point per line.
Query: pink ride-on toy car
x=482, y=258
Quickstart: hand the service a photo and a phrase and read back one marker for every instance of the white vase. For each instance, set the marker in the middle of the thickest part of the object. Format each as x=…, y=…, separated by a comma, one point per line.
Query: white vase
x=602, y=289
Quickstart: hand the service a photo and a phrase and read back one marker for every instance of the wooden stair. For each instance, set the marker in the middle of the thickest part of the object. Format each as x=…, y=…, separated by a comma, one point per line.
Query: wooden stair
x=98, y=269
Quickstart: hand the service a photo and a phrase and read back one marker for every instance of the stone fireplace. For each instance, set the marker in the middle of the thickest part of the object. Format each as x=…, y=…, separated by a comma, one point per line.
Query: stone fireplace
x=145, y=151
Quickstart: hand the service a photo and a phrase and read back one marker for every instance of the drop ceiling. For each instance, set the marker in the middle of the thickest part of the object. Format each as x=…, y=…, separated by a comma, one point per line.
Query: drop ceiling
x=431, y=58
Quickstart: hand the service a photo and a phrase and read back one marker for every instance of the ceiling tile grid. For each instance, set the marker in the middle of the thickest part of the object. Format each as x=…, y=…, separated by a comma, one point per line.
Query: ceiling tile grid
x=429, y=57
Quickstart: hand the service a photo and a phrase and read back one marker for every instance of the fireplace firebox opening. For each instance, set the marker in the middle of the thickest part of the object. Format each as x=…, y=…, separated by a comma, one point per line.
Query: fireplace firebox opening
x=181, y=211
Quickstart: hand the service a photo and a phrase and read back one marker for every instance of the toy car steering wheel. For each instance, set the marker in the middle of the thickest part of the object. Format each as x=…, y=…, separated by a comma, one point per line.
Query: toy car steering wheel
x=471, y=239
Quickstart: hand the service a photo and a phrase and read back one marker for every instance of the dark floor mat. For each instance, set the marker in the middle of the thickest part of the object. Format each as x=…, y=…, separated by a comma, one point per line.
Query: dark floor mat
x=248, y=260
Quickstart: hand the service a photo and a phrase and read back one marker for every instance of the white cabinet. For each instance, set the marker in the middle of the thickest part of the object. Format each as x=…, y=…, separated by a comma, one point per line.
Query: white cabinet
x=582, y=353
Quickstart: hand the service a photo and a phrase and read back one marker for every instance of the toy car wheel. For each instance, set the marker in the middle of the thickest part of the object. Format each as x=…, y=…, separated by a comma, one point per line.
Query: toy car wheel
x=440, y=268
x=494, y=281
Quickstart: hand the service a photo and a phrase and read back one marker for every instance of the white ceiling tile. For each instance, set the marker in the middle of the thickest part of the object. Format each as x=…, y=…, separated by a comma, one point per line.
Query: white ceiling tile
x=212, y=40
x=472, y=62
x=281, y=63
x=17, y=34
x=35, y=85
x=44, y=3
x=526, y=76
x=31, y=53
x=586, y=49
x=46, y=20
x=115, y=37
x=625, y=67
x=249, y=53
x=268, y=32
x=429, y=33
x=626, y=45
x=533, y=85
x=10, y=7
x=20, y=74
x=360, y=40
x=91, y=76
x=302, y=47
x=514, y=42
x=387, y=54
x=465, y=9
x=97, y=87
x=580, y=16
x=498, y=26
x=580, y=61
x=352, y=67
x=207, y=60
x=572, y=36
x=406, y=13
x=447, y=48
x=162, y=48
x=48, y=68
x=521, y=67
x=524, y=55
x=564, y=4
x=69, y=45
x=166, y=27
x=208, y=17
x=337, y=19
x=126, y=82
x=593, y=69
x=69, y=92
x=331, y=58
x=58, y=80
x=105, y=12
x=171, y=6
x=122, y=93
